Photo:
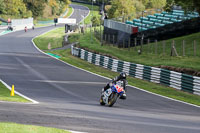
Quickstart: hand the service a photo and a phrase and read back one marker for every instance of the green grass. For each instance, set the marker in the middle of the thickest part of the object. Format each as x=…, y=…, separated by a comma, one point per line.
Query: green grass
x=54, y=37
x=5, y=95
x=19, y=128
x=95, y=8
x=149, y=59
x=152, y=87
x=69, y=12
x=95, y=11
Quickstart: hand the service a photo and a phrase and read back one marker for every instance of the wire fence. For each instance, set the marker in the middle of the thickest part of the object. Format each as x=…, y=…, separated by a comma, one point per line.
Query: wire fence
x=148, y=46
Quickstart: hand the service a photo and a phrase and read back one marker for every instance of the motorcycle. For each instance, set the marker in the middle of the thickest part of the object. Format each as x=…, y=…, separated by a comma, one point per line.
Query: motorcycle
x=111, y=95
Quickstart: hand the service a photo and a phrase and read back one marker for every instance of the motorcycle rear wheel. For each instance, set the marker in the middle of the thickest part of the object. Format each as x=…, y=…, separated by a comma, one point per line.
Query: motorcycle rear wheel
x=112, y=99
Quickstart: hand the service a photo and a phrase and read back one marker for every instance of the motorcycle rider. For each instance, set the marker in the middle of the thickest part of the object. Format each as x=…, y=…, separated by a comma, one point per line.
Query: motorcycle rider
x=121, y=77
x=25, y=29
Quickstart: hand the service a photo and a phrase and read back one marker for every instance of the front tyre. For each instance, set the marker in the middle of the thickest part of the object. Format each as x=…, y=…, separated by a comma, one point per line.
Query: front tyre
x=101, y=101
x=112, y=99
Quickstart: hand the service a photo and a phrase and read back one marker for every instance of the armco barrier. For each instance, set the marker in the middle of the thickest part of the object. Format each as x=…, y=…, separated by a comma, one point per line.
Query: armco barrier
x=172, y=79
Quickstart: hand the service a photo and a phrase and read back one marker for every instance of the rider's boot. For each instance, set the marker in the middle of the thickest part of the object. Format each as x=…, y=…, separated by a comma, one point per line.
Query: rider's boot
x=123, y=96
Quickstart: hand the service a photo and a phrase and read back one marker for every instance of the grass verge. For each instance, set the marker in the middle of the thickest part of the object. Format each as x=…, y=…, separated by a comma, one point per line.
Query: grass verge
x=152, y=87
x=149, y=59
x=5, y=95
x=16, y=128
x=70, y=10
x=53, y=38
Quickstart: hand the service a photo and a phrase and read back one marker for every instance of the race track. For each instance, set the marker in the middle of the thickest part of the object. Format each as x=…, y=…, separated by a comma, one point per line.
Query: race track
x=69, y=98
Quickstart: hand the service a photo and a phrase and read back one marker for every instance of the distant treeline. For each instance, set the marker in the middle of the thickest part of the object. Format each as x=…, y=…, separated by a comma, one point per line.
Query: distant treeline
x=32, y=8
x=95, y=2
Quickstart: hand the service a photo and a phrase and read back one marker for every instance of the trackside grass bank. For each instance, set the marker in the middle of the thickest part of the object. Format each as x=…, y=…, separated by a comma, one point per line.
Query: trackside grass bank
x=5, y=95
x=152, y=87
x=148, y=59
x=54, y=40
x=70, y=10
x=19, y=128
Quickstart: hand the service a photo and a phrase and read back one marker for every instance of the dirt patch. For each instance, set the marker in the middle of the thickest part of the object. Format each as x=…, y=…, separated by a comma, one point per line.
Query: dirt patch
x=181, y=70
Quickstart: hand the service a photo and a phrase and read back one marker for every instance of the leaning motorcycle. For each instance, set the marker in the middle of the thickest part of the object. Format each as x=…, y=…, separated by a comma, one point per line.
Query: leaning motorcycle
x=111, y=95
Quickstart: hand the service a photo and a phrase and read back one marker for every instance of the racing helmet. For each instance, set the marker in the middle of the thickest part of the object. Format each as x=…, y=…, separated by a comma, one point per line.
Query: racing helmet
x=122, y=75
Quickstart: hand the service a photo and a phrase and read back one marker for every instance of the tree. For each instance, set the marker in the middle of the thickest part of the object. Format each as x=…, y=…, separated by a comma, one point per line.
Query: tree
x=169, y=4
x=2, y=7
x=66, y=2
x=145, y=2
x=58, y=6
x=36, y=6
x=121, y=8
x=16, y=8
x=139, y=6
x=54, y=5
x=157, y=3
x=154, y=3
x=95, y=21
x=187, y=5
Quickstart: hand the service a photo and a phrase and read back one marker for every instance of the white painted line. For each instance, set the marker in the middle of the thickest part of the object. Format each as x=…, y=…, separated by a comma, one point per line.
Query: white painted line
x=34, y=102
x=72, y=12
x=68, y=82
x=165, y=97
x=75, y=131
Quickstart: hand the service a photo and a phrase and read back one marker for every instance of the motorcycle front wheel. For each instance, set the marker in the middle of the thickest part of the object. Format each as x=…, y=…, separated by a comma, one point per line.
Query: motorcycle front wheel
x=101, y=101
x=112, y=99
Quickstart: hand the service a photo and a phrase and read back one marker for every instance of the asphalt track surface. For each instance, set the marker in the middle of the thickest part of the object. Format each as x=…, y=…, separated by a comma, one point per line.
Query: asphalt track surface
x=69, y=98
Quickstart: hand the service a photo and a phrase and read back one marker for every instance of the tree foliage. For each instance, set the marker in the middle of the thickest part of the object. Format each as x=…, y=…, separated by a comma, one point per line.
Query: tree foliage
x=36, y=6
x=139, y=6
x=15, y=8
x=188, y=5
x=133, y=7
x=169, y=4
x=2, y=7
x=157, y=3
x=121, y=8
x=154, y=3
x=28, y=8
x=95, y=20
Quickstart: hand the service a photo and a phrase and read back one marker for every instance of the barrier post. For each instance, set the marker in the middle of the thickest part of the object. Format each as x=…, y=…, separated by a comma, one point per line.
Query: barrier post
x=113, y=39
x=156, y=47
x=163, y=47
x=183, y=47
x=129, y=44
x=148, y=43
x=195, y=48
x=135, y=44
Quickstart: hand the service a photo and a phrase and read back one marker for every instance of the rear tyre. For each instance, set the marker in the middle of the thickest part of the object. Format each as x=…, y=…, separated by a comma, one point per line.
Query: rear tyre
x=112, y=99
